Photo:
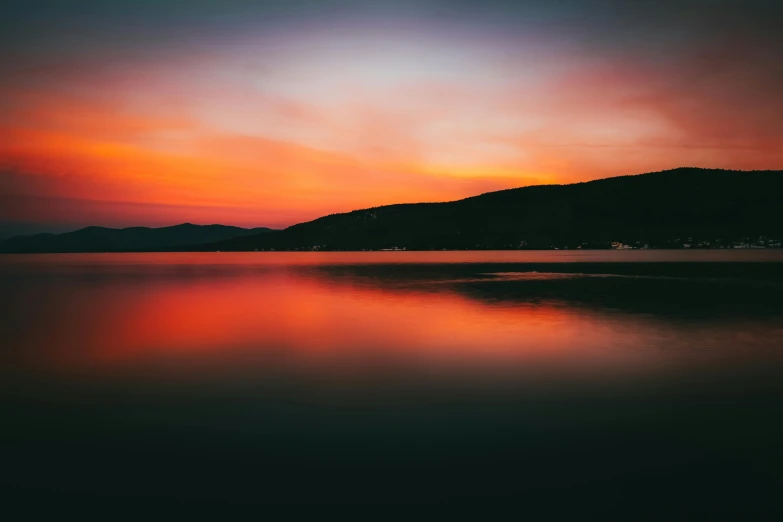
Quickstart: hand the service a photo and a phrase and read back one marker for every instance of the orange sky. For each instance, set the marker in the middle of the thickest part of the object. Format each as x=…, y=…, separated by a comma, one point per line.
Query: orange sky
x=268, y=128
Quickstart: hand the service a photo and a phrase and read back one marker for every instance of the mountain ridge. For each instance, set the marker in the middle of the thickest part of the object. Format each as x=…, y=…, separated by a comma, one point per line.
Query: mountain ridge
x=129, y=239
x=675, y=208
x=658, y=209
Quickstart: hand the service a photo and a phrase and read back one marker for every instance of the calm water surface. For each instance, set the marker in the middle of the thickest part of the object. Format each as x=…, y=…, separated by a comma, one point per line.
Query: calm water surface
x=612, y=379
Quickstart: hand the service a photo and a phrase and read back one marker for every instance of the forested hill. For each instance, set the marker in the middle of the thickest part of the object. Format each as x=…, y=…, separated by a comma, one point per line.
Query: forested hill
x=659, y=209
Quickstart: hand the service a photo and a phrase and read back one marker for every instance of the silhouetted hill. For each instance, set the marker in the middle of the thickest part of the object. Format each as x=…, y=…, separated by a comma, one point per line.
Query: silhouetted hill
x=134, y=239
x=659, y=209
x=662, y=209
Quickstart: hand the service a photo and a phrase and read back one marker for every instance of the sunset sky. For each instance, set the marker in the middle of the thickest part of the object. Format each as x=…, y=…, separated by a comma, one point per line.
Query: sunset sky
x=268, y=113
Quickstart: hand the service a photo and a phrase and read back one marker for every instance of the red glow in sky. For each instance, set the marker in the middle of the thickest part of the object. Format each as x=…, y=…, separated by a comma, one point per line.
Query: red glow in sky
x=253, y=125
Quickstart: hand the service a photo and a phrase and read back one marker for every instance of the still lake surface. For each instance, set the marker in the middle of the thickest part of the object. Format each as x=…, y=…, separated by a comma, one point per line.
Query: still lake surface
x=581, y=381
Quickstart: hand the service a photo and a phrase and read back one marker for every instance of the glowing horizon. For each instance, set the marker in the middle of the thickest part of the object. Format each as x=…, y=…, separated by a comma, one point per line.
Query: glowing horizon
x=269, y=114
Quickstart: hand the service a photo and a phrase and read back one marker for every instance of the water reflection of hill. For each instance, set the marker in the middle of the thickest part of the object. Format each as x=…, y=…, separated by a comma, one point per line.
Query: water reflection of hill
x=635, y=388
x=686, y=291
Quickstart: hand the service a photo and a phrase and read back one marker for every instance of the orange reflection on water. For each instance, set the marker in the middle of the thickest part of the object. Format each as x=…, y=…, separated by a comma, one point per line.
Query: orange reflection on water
x=309, y=320
x=109, y=313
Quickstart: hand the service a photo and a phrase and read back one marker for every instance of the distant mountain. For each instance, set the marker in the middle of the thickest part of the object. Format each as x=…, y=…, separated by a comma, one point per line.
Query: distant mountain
x=662, y=209
x=674, y=208
x=134, y=239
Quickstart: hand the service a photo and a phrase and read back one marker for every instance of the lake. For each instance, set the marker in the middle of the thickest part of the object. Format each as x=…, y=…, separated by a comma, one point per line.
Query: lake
x=566, y=383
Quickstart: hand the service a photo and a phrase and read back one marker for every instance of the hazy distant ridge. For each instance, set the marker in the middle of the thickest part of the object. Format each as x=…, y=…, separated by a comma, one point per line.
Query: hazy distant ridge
x=134, y=239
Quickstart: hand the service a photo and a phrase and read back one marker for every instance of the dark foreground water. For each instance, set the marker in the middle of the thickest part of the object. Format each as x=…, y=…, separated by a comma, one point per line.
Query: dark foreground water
x=629, y=385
